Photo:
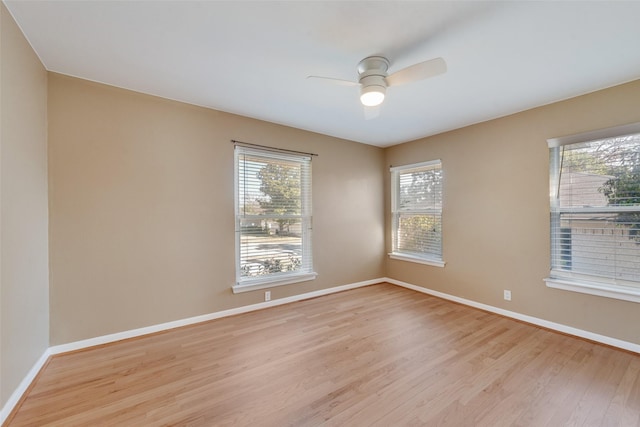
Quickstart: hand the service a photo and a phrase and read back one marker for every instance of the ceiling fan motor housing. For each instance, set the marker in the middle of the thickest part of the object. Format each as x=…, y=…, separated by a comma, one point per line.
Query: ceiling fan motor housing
x=372, y=72
x=373, y=63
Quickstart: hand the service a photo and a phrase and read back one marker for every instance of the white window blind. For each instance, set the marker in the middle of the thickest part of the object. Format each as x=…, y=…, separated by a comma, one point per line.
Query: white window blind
x=417, y=211
x=273, y=218
x=595, y=212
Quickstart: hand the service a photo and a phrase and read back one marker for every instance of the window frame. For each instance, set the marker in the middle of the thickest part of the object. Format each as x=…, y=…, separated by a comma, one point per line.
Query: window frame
x=575, y=281
x=427, y=258
x=243, y=284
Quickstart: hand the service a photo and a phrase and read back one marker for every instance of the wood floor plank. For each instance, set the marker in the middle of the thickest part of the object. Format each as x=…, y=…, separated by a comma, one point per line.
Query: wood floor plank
x=378, y=355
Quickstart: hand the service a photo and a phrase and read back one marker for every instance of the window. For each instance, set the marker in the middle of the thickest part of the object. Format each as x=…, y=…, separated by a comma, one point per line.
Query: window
x=273, y=218
x=416, y=205
x=595, y=213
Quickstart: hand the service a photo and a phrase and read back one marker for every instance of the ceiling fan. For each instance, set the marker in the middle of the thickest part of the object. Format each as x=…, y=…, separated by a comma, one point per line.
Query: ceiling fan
x=374, y=80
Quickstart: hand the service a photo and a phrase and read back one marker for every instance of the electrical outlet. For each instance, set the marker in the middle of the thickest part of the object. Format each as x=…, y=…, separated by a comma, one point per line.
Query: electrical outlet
x=507, y=295
x=267, y=295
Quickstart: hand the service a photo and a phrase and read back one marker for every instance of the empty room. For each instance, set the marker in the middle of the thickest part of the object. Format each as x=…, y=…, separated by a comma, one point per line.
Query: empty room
x=323, y=213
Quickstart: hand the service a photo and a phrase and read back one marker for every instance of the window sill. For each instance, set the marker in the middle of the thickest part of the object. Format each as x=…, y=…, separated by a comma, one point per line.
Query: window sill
x=254, y=285
x=591, y=288
x=409, y=258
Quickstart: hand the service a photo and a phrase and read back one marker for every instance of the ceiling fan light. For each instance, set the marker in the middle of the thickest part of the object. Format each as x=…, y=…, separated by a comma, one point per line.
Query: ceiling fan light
x=373, y=95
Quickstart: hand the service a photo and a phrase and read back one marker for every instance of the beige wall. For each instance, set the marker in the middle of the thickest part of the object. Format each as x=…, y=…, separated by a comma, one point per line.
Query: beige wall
x=24, y=295
x=141, y=209
x=496, y=212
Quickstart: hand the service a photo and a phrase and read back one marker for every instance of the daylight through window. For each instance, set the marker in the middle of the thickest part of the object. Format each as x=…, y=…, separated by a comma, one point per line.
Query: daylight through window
x=595, y=213
x=273, y=218
x=417, y=212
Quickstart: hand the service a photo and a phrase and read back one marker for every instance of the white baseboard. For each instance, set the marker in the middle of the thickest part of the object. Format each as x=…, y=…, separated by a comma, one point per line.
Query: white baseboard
x=23, y=386
x=105, y=339
x=603, y=339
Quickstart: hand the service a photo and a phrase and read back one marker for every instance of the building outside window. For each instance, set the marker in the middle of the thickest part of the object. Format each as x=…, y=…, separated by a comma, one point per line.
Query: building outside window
x=595, y=213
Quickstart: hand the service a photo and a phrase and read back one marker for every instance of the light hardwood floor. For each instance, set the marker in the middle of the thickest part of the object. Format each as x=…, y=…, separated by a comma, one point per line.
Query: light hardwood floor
x=374, y=356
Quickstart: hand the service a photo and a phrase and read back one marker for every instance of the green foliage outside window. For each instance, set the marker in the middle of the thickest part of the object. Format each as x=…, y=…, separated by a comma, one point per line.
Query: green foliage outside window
x=281, y=185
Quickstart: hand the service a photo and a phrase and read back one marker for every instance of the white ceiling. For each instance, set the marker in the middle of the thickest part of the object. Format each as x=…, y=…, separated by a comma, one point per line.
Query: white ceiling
x=252, y=58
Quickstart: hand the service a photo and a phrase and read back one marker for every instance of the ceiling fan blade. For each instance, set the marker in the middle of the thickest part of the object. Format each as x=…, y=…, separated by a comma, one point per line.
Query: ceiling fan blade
x=335, y=81
x=419, y=71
